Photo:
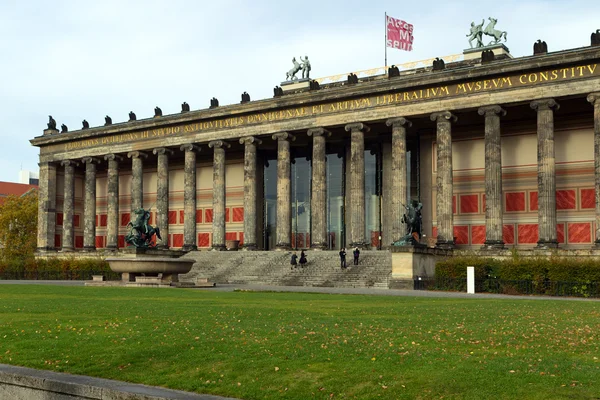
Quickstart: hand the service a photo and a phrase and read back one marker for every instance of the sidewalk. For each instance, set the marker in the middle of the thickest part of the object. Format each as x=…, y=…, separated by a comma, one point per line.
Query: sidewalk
x=334, y=290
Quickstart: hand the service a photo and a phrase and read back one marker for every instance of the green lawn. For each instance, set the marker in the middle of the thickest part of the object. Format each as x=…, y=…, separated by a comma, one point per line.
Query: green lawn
x=302, y=346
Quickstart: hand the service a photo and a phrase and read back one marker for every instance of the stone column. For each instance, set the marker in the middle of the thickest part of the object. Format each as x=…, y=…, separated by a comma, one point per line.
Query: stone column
x=318, y=195
x=46, y=207
x=112, y=225
x=137, y=179
x=284, y=190
x=250, y=198
x=68, y=204
x=356, y=194
x=493, y=177
x=218, y=225
x=546, y=173
x=189, y=197
x=594, y=98
x=398, y=199
x=89, y=205
x=162, y=195
x=445, y=221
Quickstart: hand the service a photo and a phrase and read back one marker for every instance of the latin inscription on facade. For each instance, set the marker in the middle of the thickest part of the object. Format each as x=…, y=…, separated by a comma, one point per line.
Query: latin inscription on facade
x=422, y=94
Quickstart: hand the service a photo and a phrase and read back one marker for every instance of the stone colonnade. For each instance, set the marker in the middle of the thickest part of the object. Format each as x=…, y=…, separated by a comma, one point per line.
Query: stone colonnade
x=355, y=194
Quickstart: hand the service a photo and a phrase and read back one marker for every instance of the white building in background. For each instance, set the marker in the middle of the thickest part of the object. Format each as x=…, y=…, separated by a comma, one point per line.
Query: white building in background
x=29, y=177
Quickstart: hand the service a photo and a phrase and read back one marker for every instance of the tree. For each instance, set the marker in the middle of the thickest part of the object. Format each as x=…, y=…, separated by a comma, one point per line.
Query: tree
x=18, y=226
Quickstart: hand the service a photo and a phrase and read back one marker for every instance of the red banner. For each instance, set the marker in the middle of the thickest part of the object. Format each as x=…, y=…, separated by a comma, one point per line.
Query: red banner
x=399, y=34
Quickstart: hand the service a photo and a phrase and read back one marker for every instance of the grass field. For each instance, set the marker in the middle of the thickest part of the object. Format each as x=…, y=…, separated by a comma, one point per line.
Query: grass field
x=302, y=346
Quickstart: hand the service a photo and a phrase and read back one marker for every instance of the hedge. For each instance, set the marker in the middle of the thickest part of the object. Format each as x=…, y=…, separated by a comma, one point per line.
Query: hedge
x=55, y=269
x=540, y=275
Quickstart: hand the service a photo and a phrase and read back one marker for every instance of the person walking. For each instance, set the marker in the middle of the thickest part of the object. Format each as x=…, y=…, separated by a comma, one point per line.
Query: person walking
x=294, y=261
x=356, y=255
x=302, y=259
x=343, y=258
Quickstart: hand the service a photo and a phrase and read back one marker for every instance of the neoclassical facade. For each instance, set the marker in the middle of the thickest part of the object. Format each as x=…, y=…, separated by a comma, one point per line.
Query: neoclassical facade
x=504, y=153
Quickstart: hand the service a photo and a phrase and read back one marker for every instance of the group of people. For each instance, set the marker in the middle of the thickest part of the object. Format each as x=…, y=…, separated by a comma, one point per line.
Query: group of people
x=294, y=260
x=355, y=252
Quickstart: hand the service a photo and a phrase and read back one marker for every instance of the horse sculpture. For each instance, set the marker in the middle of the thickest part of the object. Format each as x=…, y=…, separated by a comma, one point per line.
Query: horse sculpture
x=291, y=74
x=496, y=34
x=140, y=232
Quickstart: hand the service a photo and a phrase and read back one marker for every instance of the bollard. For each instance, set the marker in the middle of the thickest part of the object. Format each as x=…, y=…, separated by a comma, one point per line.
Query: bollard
x=471, y=280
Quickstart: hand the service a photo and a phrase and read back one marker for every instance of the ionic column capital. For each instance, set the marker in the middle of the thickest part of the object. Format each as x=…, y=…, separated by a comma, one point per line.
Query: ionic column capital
x=250, y=140
x=137, y=154
x=400, y=121
x=594, y=98
x=443, y=116
x=69, y=163
x=162, y=151
x=90, y=160
x=218, y=144
x=357, y=126
x=113, y=157
x=284, y=136
x=189, y=147
x=492, y=110
x=314, y=132
x=544, y=104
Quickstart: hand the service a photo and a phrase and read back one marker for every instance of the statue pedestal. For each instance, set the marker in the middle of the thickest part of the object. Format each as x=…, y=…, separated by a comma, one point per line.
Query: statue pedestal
x=500, y=51
x=299, y=85
x=410, y=263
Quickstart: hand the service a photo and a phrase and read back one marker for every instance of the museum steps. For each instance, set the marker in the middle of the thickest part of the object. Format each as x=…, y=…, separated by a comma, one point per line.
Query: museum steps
x=273, y=268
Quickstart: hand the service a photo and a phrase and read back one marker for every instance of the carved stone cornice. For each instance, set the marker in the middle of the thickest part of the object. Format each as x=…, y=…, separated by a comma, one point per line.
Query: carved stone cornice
x=250, y=140
x=162, y=151
x=400, y=121
x=314, y=132
x=189, y=147
x=357, y=126
x=443, y=115
x=594, y=98
x=219, y=144
x=284, y=136
x=137, y=154
x=545, y=104
x=492, y=110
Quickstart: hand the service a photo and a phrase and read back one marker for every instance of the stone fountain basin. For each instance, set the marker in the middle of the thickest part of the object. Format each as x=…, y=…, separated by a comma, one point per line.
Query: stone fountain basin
x=150, y=265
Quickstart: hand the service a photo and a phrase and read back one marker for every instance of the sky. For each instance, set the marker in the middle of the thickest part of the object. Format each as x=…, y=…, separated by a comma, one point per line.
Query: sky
x=84, y=59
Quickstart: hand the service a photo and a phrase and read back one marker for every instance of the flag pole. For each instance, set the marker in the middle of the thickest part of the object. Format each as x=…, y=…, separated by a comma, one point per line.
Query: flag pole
x=385, y=39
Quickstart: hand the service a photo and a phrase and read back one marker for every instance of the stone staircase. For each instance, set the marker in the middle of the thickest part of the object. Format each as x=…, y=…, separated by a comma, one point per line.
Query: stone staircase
x=273, y=268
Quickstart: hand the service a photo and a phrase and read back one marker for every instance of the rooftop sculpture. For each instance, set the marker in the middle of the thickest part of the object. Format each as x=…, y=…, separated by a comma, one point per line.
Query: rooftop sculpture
x=477, y=32
x=304, y=67
x=51, y=123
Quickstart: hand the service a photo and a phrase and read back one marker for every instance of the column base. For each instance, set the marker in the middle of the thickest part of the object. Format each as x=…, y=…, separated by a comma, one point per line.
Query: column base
x=360, y=245
x=249, y=247
x=67, y=250
x=445, y=244
x=89, y=249
x=46, y=249
x=283, y=246
x=547, y=244
x=189, y=247
x=493, y=245
x=112, y=248
x=318, y=246
x=162, y=247
x=597, y=244
x=219, y=247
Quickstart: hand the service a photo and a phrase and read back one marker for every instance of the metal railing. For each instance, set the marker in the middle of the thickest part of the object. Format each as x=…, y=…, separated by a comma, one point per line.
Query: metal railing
x=516, y=287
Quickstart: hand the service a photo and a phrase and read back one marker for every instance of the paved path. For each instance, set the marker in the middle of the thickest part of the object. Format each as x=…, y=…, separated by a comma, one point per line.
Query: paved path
x=332, y=290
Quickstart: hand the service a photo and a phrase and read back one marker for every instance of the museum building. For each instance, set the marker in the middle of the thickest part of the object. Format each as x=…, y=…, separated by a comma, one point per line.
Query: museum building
x=502, y=152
